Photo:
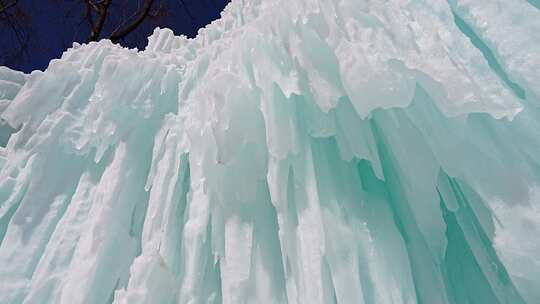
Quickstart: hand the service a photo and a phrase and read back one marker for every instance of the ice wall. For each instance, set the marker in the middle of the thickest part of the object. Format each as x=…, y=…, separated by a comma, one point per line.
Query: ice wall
x=307, y=151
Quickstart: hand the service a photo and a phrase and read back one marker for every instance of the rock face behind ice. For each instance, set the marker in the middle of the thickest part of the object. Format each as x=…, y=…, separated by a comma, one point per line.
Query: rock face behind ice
x=308, y=151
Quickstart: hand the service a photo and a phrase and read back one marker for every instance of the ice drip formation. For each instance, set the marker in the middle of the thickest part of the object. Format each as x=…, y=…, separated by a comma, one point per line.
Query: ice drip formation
x=306, y=151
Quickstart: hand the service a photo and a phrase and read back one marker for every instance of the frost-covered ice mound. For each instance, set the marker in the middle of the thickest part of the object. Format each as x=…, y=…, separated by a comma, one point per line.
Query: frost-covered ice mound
x=294, y=152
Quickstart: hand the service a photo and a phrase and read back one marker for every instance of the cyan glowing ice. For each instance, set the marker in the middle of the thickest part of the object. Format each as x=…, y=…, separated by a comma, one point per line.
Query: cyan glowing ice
x=307, y=151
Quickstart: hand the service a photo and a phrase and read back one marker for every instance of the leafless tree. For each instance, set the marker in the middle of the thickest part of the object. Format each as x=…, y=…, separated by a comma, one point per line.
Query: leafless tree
x=13, y=26
x=97, y=13
x=122, y=21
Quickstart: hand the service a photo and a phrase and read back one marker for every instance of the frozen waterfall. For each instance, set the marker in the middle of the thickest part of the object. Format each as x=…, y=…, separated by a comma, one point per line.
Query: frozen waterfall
x=295, y=151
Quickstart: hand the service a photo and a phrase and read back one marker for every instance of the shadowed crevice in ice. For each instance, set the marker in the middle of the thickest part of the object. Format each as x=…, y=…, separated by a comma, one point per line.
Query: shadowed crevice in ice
x=5, y=218
x=535, y=3
x=511, y=30
x=468, y=247
x=424, y=273
x=5, y=133
x=488, y=55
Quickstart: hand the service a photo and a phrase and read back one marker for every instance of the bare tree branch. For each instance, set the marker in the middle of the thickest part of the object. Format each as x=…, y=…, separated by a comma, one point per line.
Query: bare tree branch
x=89, y=17
x=101, y=7
x=5, y=7
x=121, y=32
x=188, y=12
x=15, y=32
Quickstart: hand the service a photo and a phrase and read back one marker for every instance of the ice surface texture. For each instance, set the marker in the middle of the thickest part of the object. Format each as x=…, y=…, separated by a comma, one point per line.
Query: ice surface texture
x=308, y=151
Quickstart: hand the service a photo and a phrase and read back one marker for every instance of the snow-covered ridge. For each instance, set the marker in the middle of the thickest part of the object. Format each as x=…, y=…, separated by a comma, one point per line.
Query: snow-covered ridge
x=315, y=151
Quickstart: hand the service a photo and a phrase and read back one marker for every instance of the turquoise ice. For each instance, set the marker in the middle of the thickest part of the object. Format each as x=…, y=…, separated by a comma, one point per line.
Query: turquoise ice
x=295, y=151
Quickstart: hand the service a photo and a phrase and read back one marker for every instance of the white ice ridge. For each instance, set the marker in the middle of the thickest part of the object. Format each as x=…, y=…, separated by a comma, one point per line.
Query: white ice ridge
x=295, y=151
